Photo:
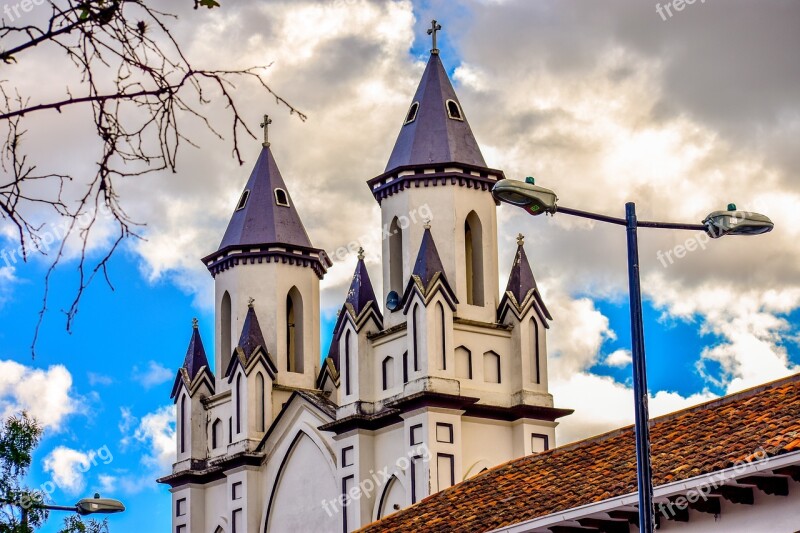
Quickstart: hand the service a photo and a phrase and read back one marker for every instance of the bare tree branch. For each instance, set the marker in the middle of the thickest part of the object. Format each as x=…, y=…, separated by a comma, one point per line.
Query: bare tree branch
x=141, y=90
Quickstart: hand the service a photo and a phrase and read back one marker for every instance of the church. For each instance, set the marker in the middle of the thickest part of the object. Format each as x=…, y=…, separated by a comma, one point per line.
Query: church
x=425, y=390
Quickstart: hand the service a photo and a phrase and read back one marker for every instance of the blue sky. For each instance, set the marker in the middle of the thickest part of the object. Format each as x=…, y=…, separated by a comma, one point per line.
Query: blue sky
x=606, y=104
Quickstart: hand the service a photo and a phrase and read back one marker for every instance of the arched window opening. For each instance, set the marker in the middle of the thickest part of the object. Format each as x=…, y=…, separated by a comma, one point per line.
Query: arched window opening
x=535, y=368
x=491, y=367
x=183, y=423
x=238, y=404
x=281, y=198
x=294, y=331
x=388, y=372
x=412, y=113
x=463, y=363
x=347, y=361
x=225, y=332
x=405, y=367
x=215, y=433
x=454, y=110
x=440, y=331
x=473, y=257
x=415, y=336
x=395, y=257
x=260, y=402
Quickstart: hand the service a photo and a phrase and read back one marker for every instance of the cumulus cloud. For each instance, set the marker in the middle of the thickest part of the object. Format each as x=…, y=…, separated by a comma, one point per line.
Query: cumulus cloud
x=618, y=358
x=156, y=431
x=154, y=374
x=47, y=395
x=67, y=468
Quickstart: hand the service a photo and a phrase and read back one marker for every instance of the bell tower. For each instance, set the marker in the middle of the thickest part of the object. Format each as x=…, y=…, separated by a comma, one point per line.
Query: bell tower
x=267, y=266
x=436, y=175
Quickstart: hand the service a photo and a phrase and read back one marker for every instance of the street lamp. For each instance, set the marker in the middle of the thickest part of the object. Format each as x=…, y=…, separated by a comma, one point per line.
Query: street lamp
x=537, y=200
x=86, y=506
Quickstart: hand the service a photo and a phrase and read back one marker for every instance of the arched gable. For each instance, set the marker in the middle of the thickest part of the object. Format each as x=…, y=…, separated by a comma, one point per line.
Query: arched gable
x=300, y=488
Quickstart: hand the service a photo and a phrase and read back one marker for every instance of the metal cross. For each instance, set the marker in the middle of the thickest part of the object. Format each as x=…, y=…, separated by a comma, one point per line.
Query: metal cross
x=250, y=301
x=195, y=323
x=520, y=239
x=432, y=31
x=265, y=125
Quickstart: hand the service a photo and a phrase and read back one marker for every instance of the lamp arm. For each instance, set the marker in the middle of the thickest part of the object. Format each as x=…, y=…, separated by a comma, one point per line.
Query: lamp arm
x=623, y=222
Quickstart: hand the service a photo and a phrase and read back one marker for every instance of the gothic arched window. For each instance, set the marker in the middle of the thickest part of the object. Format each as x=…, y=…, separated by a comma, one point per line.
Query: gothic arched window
x=294, y=331
x=473, y=258
x=260, y=402
x=395, y=257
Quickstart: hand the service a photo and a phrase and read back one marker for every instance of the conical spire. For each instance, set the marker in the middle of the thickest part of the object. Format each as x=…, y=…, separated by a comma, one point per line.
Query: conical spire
x=520, y=281
x=251, y=337
x=195, y=355
x=265, y=212
x=428, y=261
x=436, y=129
x=360, y=293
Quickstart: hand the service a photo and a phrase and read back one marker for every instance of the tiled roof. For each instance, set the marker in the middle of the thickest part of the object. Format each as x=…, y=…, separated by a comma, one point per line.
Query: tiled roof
x=700, y=440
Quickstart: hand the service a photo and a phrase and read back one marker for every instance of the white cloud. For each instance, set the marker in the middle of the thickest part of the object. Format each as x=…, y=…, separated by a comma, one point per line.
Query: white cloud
x=618, y=358
x=8, y=281
x=67, y=468
x=155, y=374
x=157, y=432
x=46, y=395
x=99, y=379
x=601, y=404
x=107, y=484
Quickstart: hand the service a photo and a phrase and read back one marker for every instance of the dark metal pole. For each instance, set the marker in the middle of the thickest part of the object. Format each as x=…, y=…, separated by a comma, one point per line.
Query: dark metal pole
x=644, y=474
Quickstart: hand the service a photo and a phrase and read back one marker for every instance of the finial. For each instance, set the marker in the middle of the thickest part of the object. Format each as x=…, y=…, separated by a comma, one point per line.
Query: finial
x=520, y=239
x=195, y=323
x=435, y=27
x=361, y=253
x=265, y=124
x=427, y=224
x=250, y=302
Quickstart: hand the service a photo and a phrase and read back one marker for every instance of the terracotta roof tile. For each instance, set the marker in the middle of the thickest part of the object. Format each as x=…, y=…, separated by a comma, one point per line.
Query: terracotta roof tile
x=696, y=441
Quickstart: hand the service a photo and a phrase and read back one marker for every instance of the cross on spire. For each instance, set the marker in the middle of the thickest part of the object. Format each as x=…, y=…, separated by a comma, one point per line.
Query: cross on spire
x=435, y=27
x=265, y=124
x=520, y=239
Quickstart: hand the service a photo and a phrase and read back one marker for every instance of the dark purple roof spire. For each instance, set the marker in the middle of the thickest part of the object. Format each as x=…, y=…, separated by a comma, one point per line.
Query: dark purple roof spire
x=436, y=129
x=251, y=337
x=195, y=355
x=361, y=292
x=428, y=261
x=265, y=212
x=521, y=280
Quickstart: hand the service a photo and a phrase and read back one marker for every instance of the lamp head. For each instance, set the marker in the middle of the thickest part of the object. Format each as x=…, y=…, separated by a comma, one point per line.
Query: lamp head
x=527, y=195
x=99, y=505
x=733, y=222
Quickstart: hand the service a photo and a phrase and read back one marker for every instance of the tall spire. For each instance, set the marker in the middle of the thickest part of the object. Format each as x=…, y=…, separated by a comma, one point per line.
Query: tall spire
x=265, y=212
x=265, y=223
x=435, y=129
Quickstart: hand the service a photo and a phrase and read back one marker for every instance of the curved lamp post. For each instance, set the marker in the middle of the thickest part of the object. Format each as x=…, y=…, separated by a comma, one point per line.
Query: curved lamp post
x=86, y=506
x=537, y=200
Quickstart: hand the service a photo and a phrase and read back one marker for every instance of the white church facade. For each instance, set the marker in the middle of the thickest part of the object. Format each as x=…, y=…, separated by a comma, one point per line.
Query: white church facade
x=428, y=384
